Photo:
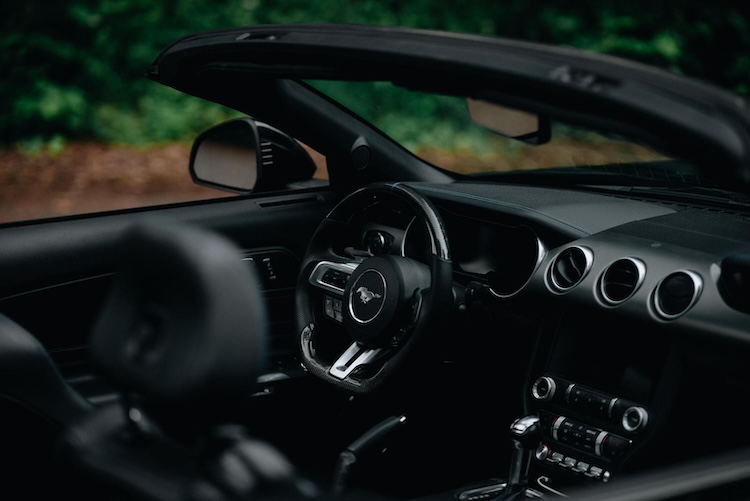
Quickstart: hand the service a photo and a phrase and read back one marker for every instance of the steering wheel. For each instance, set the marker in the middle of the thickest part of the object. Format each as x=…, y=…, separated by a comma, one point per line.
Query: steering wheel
x=361, y=316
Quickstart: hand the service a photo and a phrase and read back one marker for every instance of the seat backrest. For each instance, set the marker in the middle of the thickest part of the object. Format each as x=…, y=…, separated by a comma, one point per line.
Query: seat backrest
x=36, y=405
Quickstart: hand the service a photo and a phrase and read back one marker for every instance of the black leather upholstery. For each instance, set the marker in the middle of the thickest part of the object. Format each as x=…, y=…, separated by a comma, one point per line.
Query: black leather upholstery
x=36, y=404
x=29, y=378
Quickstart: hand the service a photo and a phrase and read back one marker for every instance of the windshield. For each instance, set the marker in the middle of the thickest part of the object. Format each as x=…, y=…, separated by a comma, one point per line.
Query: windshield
x=439, y=129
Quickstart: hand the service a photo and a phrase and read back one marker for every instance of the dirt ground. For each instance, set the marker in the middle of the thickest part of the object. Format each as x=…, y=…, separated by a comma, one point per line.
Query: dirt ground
x=92, y=177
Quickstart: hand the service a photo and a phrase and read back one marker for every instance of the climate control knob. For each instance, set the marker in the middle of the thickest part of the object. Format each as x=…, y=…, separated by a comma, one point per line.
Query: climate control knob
x=543, y=388
x=634, y=419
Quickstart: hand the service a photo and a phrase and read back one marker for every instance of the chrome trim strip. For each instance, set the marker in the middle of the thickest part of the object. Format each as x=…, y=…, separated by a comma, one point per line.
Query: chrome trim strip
x=568, y=390
x=612, y=404
x=541, y=482
x=599, y=441
x=556, y=426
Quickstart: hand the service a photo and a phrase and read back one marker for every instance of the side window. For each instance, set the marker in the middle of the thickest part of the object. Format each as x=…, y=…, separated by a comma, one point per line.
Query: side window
x=91, y=177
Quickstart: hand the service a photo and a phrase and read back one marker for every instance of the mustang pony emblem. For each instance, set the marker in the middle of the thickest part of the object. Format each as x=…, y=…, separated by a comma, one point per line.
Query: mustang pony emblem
x=366, y=295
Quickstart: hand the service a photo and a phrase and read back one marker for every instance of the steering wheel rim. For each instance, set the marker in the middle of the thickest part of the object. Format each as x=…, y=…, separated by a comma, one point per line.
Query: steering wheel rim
x=389, y=304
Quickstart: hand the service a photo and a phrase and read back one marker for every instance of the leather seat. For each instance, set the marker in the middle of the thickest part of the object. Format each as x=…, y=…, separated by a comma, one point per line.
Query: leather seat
x=36, y=405
x=182, y=336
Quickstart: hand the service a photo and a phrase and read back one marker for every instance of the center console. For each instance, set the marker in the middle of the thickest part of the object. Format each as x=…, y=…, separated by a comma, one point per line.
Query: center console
x=598, y=392
x=586, y=433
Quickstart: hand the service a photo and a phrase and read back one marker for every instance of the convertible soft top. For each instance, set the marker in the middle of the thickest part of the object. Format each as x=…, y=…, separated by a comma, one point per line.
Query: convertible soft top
x=671, y=112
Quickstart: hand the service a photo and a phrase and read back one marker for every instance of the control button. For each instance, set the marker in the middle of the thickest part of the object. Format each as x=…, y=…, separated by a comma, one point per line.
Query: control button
x=333, y=308
x=582, y=467
x=589, y=439
x=594, y=472
x=336, y=278
x=568, y=462
x=542, y=452
x=338, y=308
x=589, y=401
x=575, y=433
x=613, y=446
x=329, y=306
x=544, y=388
x=556, y=457
x=634, y=419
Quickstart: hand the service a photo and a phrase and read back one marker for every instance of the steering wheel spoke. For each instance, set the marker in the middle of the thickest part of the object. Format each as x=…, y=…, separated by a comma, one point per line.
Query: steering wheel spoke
x=332, y=276
x=354, y=357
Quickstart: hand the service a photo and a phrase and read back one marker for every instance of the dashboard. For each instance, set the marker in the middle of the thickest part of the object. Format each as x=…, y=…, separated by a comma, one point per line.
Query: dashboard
x=640, y=332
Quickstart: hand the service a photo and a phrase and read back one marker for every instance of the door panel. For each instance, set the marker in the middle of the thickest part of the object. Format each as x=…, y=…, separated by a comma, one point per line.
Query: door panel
x=55, y=274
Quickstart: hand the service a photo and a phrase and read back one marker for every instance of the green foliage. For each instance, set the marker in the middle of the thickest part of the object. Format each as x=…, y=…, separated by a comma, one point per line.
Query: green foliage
x=74, y=69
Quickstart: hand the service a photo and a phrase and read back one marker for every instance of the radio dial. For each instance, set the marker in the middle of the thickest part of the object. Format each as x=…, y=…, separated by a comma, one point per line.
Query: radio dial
x=634, y=419
x=544, y=388
x=542, y=452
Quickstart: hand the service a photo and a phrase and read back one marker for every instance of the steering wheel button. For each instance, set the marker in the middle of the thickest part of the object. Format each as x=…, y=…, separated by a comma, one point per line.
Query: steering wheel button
x=329, y=306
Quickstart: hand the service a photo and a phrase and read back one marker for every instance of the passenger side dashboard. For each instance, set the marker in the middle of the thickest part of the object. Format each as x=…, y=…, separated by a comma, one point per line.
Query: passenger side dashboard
x=642, y=340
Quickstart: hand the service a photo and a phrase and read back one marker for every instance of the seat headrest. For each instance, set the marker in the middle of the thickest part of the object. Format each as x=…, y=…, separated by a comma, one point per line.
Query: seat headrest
x=184, y=321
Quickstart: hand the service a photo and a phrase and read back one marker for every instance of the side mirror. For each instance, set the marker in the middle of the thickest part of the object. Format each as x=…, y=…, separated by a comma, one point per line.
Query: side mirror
x=244, y=155
x=227, y=156
x=509, y=122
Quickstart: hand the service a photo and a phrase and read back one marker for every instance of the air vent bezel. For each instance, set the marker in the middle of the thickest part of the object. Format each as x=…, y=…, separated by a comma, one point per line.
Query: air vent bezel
x=697, y=281
x=640, y=273
x=541, y=251
x=553, y=284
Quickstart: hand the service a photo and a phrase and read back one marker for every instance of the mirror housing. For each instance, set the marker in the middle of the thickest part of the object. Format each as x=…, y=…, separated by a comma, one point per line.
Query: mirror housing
x=510, y=122
x=243, y=156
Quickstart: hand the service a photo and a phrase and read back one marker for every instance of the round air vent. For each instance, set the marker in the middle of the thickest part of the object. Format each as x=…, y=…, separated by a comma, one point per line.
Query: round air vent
x=621, y=279
x=569, y=268
x=677, y=293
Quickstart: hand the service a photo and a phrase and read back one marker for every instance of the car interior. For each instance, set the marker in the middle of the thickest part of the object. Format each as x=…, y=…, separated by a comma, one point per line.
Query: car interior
x=396, y=332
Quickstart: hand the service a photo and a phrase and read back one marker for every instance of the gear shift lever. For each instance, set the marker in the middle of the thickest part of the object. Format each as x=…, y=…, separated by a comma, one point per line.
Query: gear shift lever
x=525, y=434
